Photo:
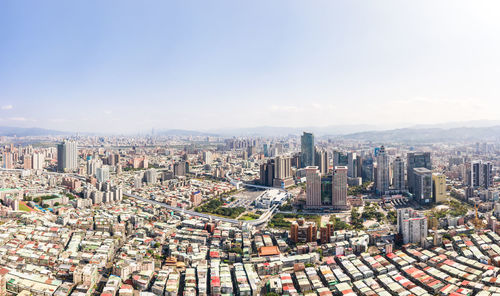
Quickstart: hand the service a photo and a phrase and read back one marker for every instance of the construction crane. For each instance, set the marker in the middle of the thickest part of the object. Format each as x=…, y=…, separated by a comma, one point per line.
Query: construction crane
x=478, y=223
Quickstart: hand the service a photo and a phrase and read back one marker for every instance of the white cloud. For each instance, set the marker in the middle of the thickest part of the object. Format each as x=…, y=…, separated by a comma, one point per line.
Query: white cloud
x=7, y=107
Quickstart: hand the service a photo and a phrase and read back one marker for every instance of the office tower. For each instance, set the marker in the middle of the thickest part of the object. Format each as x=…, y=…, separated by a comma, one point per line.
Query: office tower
x=367, y=169
x=382, y=181
x=439, y=187
x=313, y=187
x=322, y=161
x=267, y=173
x=416, y=160
x=102, y=174
x=480, y=174
x=359, y=166
x=398, y=174
x=37, y=161
x=339, y=188
x=283, y=172
x=412, y=226
x=339, y=159
x=422, y=179
x=67, y=156
x=352, y=167
x=207, y=157
x=307, y=149
x=265, y=150
x=8, y=160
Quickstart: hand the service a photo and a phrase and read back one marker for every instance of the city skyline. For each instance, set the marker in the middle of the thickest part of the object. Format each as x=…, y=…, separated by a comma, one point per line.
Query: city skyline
x=102, y=68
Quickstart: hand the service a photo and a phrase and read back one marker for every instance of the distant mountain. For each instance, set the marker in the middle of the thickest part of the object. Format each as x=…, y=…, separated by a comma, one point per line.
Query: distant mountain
x=9, y=131
x=184, y=133
x=273, y=131
x=428, y=135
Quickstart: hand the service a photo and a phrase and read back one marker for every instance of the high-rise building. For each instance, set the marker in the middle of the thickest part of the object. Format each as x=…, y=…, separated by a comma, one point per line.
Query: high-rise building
x=302, y=231
x=307, y=149
x=416, y=160
x=102, y=174
x=267, y=173
x=352, y=166
x=67, y=156
x=207, y=157
x=8, y=160
x=412, y=226
x=181, y=168
x=382, y=178
x=439, y=187
x=339, y=188
x=367, y=169
x=322, y=161
x=283, y=172
x=27, y=162
x=313, y=187
x=398, y=174
x=480, y=174
x=151, y=176
x=37, y=161
x=422, y=179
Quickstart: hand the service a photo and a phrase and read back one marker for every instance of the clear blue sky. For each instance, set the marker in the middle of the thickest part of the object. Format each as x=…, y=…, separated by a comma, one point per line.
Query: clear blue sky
x=125, y=66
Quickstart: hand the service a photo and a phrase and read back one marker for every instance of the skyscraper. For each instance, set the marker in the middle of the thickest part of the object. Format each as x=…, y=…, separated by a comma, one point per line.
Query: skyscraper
x=307, y=149
x=422, y=179
x=322, y=161
x=416, y=160
x=67, y=156
x=398, y=174
x=352, y=166
x=339, y=188
x=283, y=172
x=439, y=187
x=382, y=178
x=313, y=187
x=480, y=174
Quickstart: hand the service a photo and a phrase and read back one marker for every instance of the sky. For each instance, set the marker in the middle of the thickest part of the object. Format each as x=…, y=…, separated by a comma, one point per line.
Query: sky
x=129, y=66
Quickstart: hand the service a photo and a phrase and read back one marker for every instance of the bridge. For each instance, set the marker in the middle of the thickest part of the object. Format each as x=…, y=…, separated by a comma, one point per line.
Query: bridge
x=262, y=219
x=238, y=183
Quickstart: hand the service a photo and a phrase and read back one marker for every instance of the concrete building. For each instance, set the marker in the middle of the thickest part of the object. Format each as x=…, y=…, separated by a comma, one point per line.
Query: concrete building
x=283, y=172
x=67, y=156
x=302, y=231
x=382, y=178
x=102, y=174
x=313, y=187
x=480, y=174
x=398, y=174
x=416, y=160
x=322, y=161
x=339, y=188
x=439, y=187
x=422, y=191
x=352, y=165
x=412, y=226
x=307, y=149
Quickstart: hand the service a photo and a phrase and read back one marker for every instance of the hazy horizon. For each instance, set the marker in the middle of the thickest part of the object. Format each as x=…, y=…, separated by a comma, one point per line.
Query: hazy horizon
x=125, y=67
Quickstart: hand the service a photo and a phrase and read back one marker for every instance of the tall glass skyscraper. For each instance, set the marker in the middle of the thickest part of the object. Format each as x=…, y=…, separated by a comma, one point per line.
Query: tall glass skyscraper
x=307, y=150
